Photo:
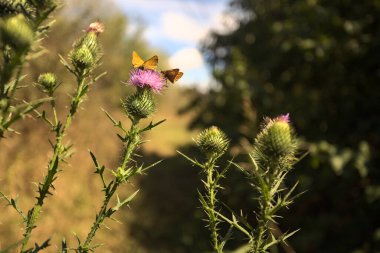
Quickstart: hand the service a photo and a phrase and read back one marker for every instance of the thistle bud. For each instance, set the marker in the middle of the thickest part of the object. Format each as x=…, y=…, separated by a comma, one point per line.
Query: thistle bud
x=16, y=32
x=4, y=103
x=140, y=105
x=276, y=139
x=48, y=82
x=212, y=142
x=91, y=41
x=86, y=50
x=82, y=58
x=9, y=7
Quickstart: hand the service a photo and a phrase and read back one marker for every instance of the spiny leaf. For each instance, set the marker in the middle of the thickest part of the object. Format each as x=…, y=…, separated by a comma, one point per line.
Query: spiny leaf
x=233, y=221
x=124, y=202
x=282, y=239
x=115, y=123
x=277, y=184
x=152, y=125
x=191, y=160
x=67, y=66
x=221, y=174
x=226, y=237
x=150, y=166
x=64, y=246
x=99, y=76
x=38, y=248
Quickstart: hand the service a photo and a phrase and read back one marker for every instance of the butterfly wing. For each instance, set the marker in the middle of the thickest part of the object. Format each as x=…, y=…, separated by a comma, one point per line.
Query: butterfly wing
x=136, y=60
x=170, y=74
x=151, y=63
x=178, y=76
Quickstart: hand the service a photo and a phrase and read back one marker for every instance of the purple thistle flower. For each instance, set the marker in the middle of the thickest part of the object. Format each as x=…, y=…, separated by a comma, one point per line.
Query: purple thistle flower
x=284, y=118
x=147, y=78
x=269, y=121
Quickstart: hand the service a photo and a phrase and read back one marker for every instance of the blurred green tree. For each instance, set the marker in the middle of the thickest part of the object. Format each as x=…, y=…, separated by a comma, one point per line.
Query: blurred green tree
x=318, y=60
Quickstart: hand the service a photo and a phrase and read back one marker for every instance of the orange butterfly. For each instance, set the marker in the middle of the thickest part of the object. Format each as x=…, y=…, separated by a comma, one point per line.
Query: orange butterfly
x=172, y=75
x=137, y=62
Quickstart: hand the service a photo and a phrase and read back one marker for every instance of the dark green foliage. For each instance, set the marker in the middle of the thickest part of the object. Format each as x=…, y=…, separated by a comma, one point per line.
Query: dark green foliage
x=318, y=60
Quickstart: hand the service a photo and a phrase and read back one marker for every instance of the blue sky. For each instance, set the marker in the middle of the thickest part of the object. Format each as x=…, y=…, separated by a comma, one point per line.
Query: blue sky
x=178, y=27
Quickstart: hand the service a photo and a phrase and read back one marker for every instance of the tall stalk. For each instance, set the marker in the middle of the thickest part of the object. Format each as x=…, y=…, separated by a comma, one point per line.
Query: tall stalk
x=132, y=137
x=83, y=63
x=137, y=106
x=53, y=166
x=213, y=143
x=272, y=157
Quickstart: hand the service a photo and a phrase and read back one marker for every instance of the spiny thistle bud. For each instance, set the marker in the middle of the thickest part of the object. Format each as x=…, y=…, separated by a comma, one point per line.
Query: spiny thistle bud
x=86, y=50
x=16, y=32
x=4, y=103
x=212, y=142
x=82, y=58
x=48, y=82
x=91, y=41
x=276, y=140
x=9, y=7
x=140, y=105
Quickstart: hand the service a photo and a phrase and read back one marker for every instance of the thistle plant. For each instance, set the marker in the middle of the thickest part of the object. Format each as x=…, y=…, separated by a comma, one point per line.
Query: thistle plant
x=22, y=23
x=137, y=106
x=82, y=68
x=272, y=157
x=213, y=143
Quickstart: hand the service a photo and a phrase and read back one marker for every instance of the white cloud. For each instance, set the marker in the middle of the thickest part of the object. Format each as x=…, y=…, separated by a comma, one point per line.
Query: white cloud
x=200, y=8
x=182, y=21
x=181, y=27
x=224, y=23
x=187, y=59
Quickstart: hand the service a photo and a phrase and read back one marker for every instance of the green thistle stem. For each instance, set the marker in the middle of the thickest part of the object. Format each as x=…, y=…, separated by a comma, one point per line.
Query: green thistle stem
x=263, y=218
x=132, y=137
x=53, y=165
x=4, y=78
x=52, y=103
x=213, y=143
x=211, y=188
x=99, y=218
x=131, y=144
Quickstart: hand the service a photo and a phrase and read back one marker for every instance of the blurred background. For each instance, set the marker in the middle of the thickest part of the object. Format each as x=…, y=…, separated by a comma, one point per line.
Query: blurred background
x=318, y=60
